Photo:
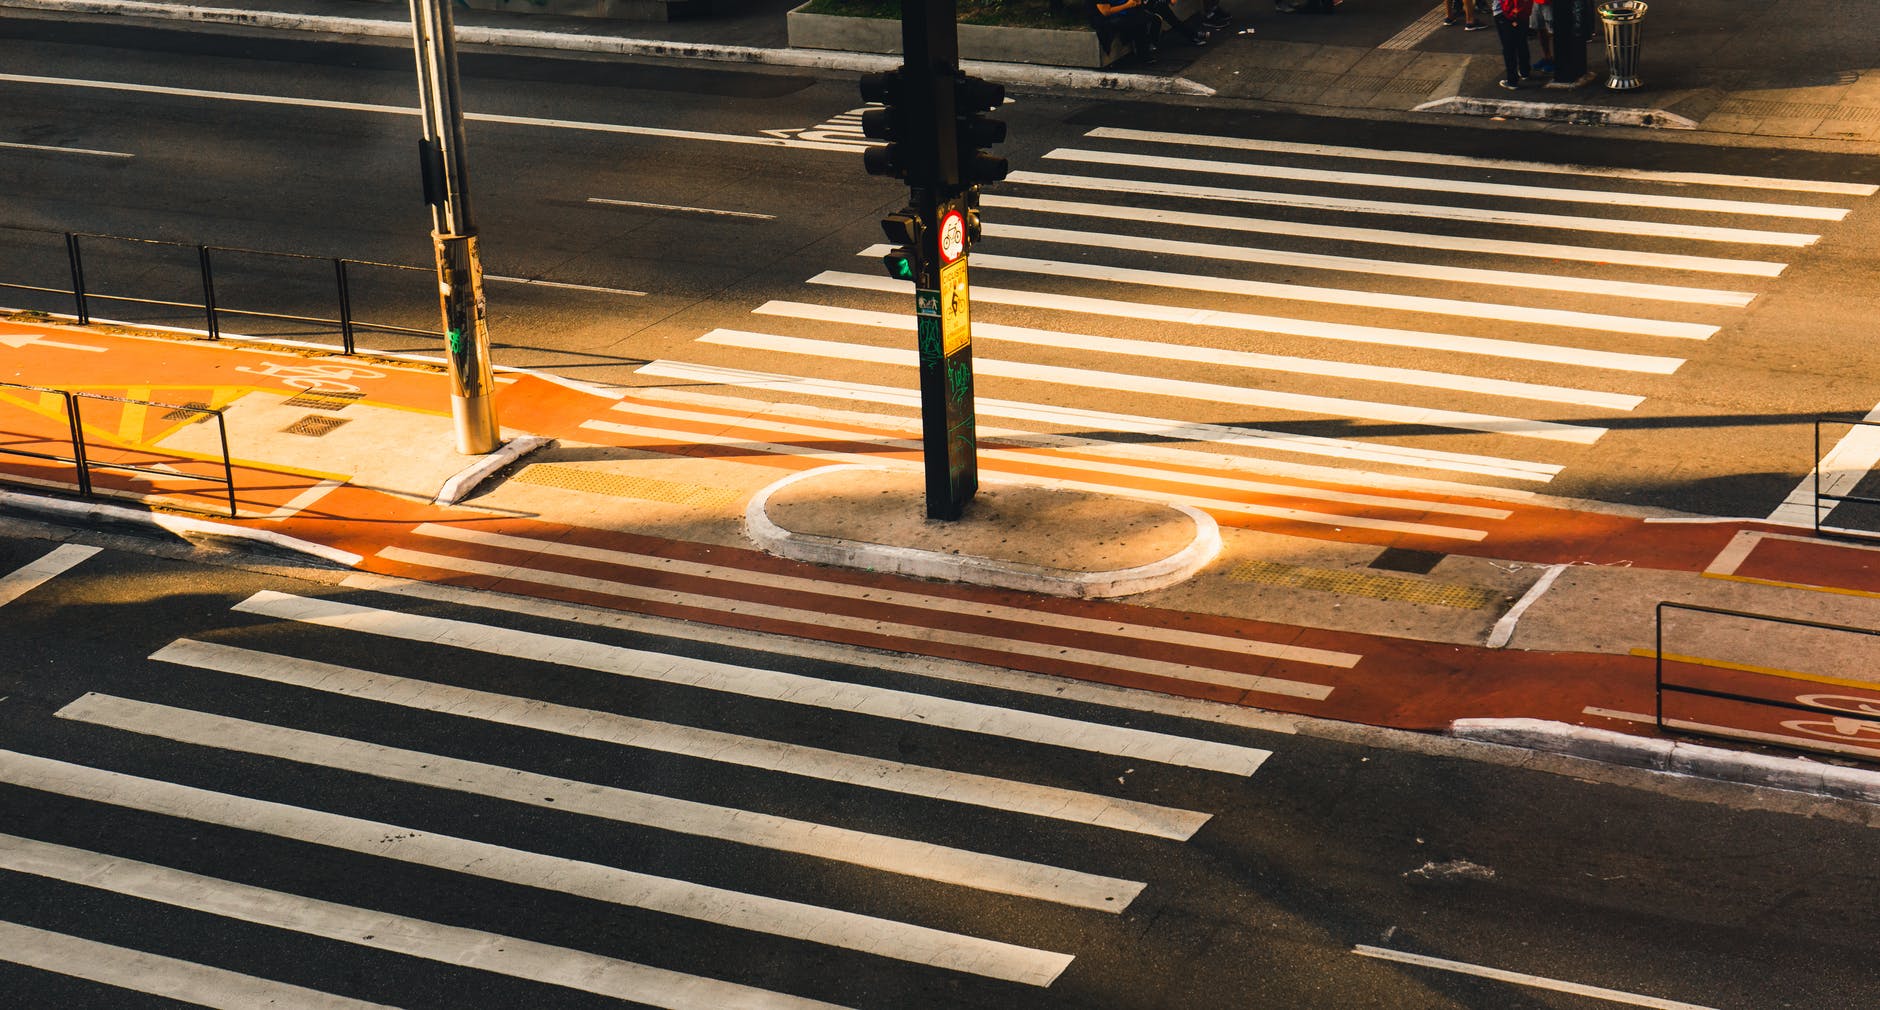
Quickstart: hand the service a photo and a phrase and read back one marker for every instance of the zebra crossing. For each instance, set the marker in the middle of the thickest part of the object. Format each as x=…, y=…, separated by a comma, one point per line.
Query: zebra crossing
x=1429, y=328
x=253, y=700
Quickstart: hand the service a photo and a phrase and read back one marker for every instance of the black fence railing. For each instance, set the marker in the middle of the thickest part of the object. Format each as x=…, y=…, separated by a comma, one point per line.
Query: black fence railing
x=1809, y=710
x=206, y=258
x=84, y=462
x=1821, y=497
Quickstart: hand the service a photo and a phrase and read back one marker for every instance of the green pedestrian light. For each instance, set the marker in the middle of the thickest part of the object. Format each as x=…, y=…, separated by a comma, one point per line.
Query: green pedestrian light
x=900, y=263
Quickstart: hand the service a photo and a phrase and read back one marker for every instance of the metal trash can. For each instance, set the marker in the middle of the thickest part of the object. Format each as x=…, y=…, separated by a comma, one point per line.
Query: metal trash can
x=1624, y=21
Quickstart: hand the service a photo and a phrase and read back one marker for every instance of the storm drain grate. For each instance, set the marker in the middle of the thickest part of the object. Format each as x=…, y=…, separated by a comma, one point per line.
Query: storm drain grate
x=574, y=478
x=191, y=410
x=322, y=400
x=1380, y=587
x=315, y=425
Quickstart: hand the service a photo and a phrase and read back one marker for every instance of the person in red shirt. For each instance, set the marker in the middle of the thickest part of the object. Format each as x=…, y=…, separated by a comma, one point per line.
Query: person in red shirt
x=1511, y=20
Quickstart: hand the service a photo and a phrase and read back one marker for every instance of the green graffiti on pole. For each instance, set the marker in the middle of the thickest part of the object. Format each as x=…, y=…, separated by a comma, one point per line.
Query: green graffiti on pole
x=454, y=341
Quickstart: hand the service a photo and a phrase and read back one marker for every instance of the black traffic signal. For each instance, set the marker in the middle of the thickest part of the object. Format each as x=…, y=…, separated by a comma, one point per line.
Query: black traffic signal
x=903, y=228
x=972, y=99
x=892, y=124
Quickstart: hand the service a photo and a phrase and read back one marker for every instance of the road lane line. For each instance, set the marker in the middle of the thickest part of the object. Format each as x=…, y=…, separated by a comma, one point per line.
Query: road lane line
x=709, y=745
x=1033, y=458
x=304, y=500
x=1186, y=315
x=34, y=574
x=51, y=149
x=157, y=975
x=921, y=860
x=1383, y=268
x=1518, y=978
x=563, y=286
x=1444, y=212
x=689, y=210
x=716, y=905
x=454, y=945
x=1378, y=236
x=1450, y=187
x=1207, y=392
x=1500, y=164
x=1214, y=356
x=1081, y=419
x=1463, y=307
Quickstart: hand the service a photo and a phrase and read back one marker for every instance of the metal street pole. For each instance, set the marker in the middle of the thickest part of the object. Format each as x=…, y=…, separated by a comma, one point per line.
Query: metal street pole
x=453, y=236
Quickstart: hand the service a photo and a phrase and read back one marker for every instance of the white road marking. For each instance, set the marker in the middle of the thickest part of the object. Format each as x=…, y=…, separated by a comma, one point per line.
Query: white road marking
x=1352, y=297
x=1475, y=187
x=304, y=500
x=1032, y=458
x=1208, y=392
x=469, y=948
x=34, y=574
x=1609, y=713
x=1216, y=357
x=1445, y=212
x=157, y=975
x=1382, y=268
x=1377, y=236
x=1736, y=552
x=1500, y=164
x=593, y=881
x=1503, y=630
x=1518, y=978
x=1187, y=462
x=19, y=340
x=708, y=745
x=1186, y=315
x=922, y=860
x=1838, y=472
x=51, y=149
x=1080, y=419
x=400, y=110
x=563, y=285
x=689, y=210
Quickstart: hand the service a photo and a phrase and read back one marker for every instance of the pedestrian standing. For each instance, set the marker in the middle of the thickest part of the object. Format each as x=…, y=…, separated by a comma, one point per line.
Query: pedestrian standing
x=1543, y=25
x=1511, y=21
x=1462, y=12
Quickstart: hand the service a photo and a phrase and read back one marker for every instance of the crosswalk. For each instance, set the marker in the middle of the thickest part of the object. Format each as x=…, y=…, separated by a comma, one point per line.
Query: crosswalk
x=1402, y=328
x=370, y=751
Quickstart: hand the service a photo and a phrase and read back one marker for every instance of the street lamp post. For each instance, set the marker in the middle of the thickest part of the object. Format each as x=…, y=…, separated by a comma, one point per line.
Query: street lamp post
x=453, y=236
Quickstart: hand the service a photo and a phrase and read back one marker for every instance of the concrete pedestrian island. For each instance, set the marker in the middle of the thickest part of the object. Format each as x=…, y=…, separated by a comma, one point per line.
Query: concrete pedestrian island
x=1032, y=537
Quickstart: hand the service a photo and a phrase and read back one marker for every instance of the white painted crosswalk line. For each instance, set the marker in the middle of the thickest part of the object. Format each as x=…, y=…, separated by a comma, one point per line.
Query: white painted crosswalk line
x=1345, y=297
x=157, y=975
x=1084, y=419
x=1116, y=308
x=1020, y=459
x=669, y=738
x=455, y=945
x=1443, y=212
x=1445, y=272
x=720, y=906
x=773, y=685
x=1219, y=357
x=34, y=574
x=922, y=860
x=1554, y=431
x=1380, y=236
x=1372, y=180
x=1494, y=164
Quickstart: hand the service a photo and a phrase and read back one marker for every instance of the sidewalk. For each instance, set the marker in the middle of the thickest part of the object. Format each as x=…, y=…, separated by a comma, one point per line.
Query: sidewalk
x=1707, y=64
x=696, y=505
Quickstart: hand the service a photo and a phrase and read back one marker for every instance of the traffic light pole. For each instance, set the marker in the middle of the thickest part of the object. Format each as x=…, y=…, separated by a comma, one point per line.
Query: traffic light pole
x=453, y=236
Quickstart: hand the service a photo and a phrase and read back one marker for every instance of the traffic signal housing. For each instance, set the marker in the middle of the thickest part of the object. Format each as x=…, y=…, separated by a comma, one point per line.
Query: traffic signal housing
x=892, y=124
x=972, y=99
x=904, y=228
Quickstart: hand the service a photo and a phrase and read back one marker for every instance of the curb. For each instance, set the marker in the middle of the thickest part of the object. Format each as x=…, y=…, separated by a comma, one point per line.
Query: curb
x=177, y=524
x=1794, y=774
x=1005, y=73
x=1578, y=115
x=466, y=480
x=981, y=571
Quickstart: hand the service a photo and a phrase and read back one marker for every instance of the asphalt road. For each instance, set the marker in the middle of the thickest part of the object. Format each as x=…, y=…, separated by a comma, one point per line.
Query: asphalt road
x=1698, y=394
x=1310, y=880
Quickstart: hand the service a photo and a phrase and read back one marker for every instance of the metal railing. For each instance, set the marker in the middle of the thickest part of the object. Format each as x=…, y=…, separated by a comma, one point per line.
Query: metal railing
x=346, y=322
x=1839, y=499
x=1846, y=712
x=82, y=462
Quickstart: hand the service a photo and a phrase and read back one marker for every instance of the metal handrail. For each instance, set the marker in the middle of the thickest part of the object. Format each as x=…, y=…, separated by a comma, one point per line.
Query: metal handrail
x=83, y=464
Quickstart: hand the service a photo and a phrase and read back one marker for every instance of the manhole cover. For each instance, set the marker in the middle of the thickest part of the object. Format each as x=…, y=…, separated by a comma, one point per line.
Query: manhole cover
x=314, y=425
